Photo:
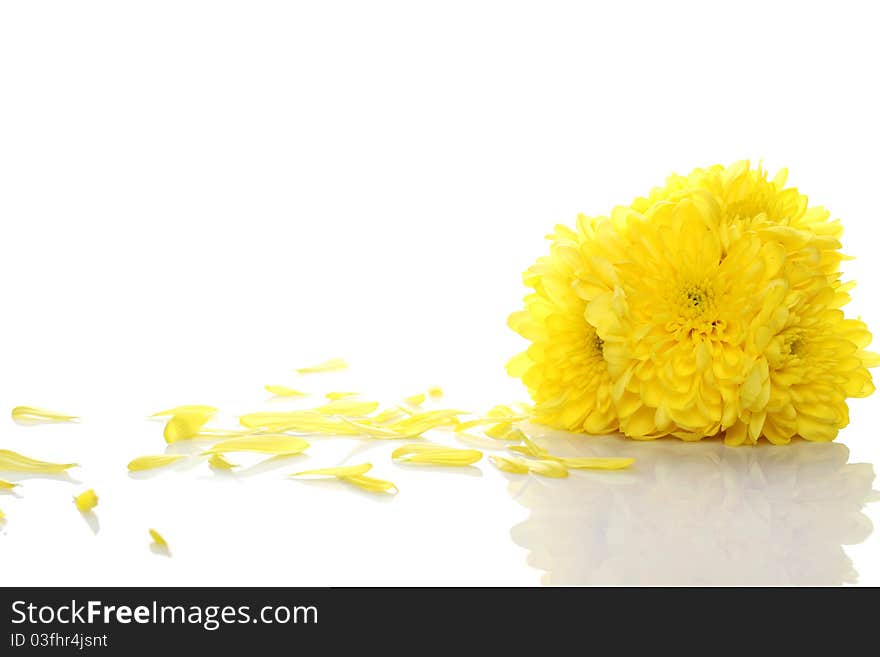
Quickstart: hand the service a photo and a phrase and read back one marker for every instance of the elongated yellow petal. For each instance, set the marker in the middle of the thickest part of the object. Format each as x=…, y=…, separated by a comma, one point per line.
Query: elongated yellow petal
x=415, y=400
x=284, y=391
x=500, y=431
x=435, y=392
x=15, y=462
x=341, y=395
x=298, y=421
x=482, y=421
x=425, y=421
x=529, y=448
x=352, y=474
x=387, y=415
x=2, y=516
x=372, y=484
x=219, y=462
x=512, y=465
x=431, y=454
x=547, y=468
x=347, y=407
x=184, y=426
x=158, y=539
x=32, y=414
x=153, y=461
x=332, y=365
x=595, y=463
x=186, y=408
x=340, y=471
x=6, y=485
x=86, y=501
x=264, y=444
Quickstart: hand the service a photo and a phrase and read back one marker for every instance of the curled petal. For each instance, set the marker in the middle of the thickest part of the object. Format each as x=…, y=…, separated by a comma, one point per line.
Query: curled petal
x=184, y=426
x=86, y=501
x=220, y=463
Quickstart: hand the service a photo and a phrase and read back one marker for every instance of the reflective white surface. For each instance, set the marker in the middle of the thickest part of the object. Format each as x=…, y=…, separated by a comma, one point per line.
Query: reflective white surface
x=700, y=514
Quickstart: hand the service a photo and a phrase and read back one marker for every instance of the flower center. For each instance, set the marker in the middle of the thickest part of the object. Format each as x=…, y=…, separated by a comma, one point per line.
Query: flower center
x=695, y=300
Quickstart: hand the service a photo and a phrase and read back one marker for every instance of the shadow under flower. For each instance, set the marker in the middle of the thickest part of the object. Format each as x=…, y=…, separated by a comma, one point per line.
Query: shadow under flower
x=696, y=514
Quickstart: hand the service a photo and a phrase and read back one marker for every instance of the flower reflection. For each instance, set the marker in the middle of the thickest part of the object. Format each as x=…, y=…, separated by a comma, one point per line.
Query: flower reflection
x=697, y=514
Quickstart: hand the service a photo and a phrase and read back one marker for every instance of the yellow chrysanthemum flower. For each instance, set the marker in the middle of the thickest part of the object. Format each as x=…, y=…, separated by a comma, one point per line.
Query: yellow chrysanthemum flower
x=563, y=368
x=711, y=306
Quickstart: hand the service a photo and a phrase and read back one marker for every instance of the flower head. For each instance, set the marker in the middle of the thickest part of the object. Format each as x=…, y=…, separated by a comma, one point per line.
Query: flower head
x=711, y=306
x=563, y=368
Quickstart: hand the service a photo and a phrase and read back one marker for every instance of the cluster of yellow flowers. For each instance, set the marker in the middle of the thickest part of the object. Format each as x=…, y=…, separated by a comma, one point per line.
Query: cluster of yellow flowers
x=711, y=307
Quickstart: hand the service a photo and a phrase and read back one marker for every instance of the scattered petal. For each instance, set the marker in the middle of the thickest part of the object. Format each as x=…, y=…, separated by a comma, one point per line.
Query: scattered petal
x=416, y=400
x=388, y=415
x=219, y=462
x=332, y=365
x=30, y=414
x=546, y=467
x=186, y=408
x=595, y=463
x=6, y=485
x=15, y=462
x=158, y=539
x=372, y=484
x=512, y=465
x=186, y=425
x=353, y=474
x=435, y=392
x=278, y=445
x=341, y=395
x=432, y=454
x=418, y=423
x=284, y=391
x=86, y=501
x=340, y=471
x=153, y=461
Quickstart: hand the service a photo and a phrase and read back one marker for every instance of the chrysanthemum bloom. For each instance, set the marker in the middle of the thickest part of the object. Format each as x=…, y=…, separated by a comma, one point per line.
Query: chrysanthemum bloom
x=716, y=308
x=678, y=314
x=563, y=368
x=811, y=359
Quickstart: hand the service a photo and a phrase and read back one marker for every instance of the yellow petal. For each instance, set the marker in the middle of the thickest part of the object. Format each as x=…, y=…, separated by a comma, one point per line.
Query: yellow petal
x=284, y=391
x=332, y=365
x=346, y=407
x=547, y=468
x=529, y=448
x=372, y=484
x=435, y=392
x=431, y=454
x=158, y=539
x=387, y=415
x=512, y=465
x=219, y=462
x=86, y=501
x=184, y=426
x=2, y=516
x=425, y=421
x=415, y=400
x=340, y=471
x=15, y=462
x=340, y=395
x=265, y=444
x=6, y=485
x=597, y=463
x=153, y=461
x=31, y=414
x=374, y=431
x=186, y=408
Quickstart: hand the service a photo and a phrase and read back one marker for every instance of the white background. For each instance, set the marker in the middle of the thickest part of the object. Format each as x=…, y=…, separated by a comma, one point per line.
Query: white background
x=197, y=197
